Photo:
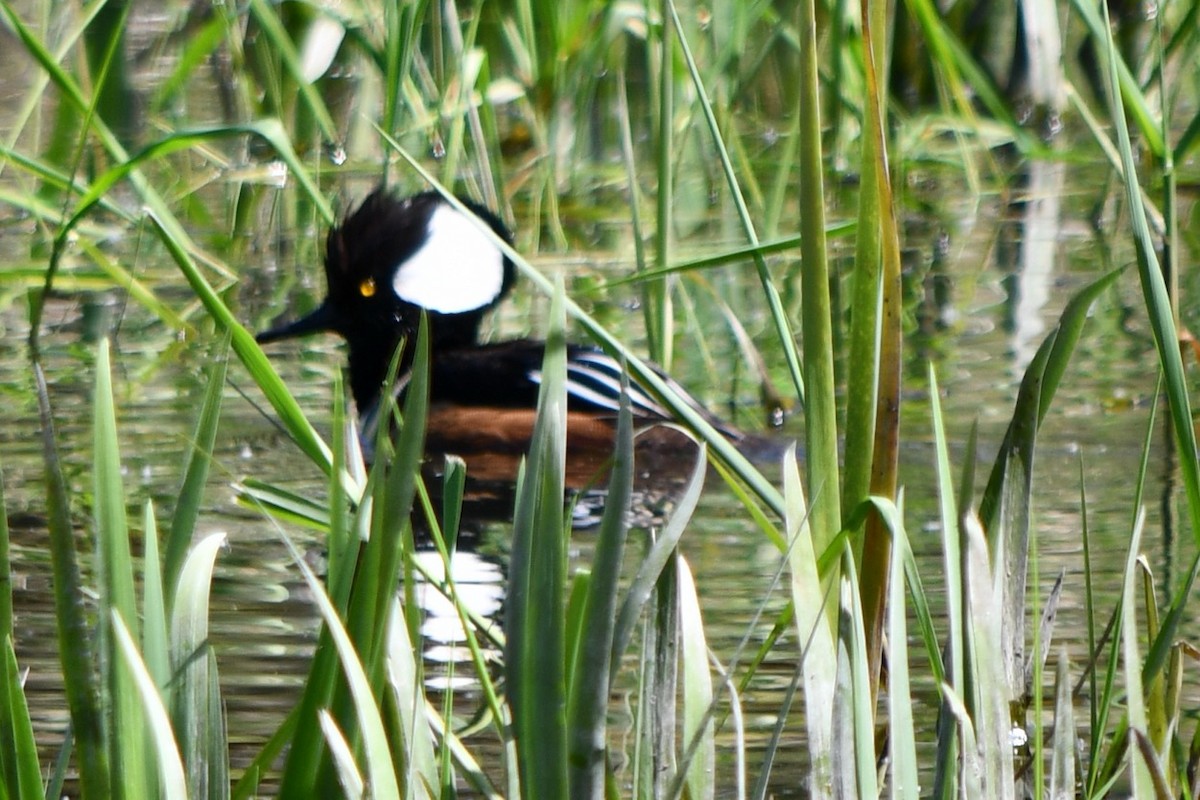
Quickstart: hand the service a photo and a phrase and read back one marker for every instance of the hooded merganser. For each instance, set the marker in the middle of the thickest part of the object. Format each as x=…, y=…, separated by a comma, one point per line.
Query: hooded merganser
x=393, y=258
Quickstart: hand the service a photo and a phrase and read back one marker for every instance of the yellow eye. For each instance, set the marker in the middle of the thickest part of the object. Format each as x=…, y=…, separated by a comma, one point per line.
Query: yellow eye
x=367, y=287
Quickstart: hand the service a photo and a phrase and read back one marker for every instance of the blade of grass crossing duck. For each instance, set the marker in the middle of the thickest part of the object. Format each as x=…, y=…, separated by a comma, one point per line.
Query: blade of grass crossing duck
x=379, y=565
x=114, y=569
x=590, y=684
x=536, y=656
x=340, y=537
x=369, y=610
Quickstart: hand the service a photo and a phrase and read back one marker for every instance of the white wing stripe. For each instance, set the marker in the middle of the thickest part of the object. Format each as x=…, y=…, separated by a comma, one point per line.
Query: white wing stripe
x=598, y=382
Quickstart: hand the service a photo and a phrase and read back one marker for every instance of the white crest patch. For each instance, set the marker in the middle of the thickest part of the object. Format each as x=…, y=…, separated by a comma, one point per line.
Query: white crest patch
x=457, y=269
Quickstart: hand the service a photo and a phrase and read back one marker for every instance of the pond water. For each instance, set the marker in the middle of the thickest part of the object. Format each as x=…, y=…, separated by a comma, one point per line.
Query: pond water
x=985, y=279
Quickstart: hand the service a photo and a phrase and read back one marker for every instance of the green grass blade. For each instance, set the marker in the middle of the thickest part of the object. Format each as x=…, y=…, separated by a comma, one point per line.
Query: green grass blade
x=155, y=643
x=657, y=305
x=1135, y=701
x=536, y=654
x=696, y=694
x=659, y=684
x=1158, y=303
x=195, y=476
x=1010, y=485
x=202, y=735
x=590, y=684
x=75, y=98
x=75, y=643
x=343, y=757
x=1038, y=387
x=284, y=505
x=370, y=582
x=379, y=768
x=172, y=783
x=114, y=567
x=818, y=652
x=954, y=671
x=855, y=714
x=6, y=588
x=642, y=586
x=986, y=664
x=405, y=677
x=902, y=751
x=1134, y=100
x=968, y=783
x=370, y=605
x=875, y=359
x=823, y=465
x=1166, y=340
x=1062, y=760
x=727, y=257
x=22, y=773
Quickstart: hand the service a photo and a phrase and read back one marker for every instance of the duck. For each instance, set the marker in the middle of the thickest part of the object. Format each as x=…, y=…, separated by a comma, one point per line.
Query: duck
x=395, y=258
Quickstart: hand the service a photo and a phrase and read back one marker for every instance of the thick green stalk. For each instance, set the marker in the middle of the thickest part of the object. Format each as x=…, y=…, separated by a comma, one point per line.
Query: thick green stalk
x=74, y=634
x=876, y=355
x=658, y=298
x=824, y=485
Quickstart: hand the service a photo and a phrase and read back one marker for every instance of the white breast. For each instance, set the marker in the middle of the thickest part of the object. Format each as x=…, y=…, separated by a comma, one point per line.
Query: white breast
x=457, y=269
